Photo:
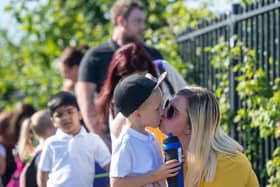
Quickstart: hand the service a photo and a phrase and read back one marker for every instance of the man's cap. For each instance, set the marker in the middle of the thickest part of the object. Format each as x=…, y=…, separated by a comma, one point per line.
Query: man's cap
x=133, y=90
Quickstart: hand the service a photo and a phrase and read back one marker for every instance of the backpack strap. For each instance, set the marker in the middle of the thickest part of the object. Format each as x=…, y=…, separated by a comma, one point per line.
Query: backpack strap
x=158, y=63
x=28, y=174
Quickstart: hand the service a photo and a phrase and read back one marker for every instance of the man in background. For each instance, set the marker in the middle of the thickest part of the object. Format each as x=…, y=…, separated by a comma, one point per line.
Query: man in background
x=128, y=18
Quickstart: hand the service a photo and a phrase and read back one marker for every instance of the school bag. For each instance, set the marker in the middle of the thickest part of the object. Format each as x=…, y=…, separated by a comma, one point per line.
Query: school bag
x=101, y=178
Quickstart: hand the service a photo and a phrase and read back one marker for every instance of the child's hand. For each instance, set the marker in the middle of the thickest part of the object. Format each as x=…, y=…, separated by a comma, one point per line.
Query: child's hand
x=169, y=169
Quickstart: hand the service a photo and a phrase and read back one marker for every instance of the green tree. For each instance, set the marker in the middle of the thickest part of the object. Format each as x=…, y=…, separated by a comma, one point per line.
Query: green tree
x=260, y=102
x=28, y=69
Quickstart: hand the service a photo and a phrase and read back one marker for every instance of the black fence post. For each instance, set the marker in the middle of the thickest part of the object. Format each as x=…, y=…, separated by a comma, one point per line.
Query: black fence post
x=259, y=27
x=232, y=74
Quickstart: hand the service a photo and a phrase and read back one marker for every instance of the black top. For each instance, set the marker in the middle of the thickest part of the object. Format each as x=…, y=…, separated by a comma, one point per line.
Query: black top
x=10, y=166
x=95, y=64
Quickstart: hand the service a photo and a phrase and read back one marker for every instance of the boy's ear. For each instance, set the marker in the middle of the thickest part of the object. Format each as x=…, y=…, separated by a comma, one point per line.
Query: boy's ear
x=137, y=113
x=53, y=122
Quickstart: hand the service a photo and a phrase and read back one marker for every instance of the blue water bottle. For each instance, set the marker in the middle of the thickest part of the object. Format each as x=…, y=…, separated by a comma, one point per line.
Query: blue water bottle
x=173, y=150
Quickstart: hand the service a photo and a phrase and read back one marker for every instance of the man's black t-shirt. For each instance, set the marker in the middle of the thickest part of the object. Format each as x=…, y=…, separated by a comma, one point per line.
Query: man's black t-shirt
x=95, y=64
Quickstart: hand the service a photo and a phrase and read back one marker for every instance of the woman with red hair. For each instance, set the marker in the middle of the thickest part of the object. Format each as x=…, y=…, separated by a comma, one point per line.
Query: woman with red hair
x=129, y=59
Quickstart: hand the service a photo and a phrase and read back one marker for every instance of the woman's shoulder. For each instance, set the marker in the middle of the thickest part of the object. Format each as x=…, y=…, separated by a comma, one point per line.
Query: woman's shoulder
x=238, y=159
x=236, y=164
x=235, y=169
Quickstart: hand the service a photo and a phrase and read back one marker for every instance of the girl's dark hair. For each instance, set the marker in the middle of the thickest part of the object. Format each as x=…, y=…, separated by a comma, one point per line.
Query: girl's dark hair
x=62, y=99
x=73, y=55
x=129, y=59
x=5, y=118
x=7, y=135
x=8, y=141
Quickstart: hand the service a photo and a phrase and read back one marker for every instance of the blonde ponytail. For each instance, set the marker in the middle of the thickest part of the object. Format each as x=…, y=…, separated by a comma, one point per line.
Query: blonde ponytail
x=26, y=140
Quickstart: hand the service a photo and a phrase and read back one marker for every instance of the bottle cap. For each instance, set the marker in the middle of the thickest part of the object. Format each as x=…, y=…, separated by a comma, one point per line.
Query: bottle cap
x=170, y=139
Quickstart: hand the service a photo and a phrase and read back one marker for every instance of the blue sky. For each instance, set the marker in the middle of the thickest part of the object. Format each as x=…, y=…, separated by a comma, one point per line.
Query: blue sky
x=217, y=5
x=3, y=15
x=7, y=22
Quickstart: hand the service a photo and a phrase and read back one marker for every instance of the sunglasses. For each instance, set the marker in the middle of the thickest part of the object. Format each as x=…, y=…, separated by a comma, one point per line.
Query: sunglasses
x=170, y=110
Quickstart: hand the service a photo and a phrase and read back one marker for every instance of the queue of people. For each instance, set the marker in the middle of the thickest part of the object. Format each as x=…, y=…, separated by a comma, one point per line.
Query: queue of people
x=119, y=101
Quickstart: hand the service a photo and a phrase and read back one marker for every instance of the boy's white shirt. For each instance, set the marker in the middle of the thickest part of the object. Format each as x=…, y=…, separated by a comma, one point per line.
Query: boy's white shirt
x=135, y=154
x=70, y=160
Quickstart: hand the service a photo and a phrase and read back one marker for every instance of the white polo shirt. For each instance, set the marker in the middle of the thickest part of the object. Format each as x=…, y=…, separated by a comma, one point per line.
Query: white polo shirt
x=70, y=160
x=135, y=154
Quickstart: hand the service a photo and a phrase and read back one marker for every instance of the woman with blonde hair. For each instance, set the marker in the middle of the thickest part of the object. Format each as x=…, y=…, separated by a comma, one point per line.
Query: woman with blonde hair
x=212, y=158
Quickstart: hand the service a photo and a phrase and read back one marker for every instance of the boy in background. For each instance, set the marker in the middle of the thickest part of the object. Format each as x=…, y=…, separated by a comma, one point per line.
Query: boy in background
x=68, y=157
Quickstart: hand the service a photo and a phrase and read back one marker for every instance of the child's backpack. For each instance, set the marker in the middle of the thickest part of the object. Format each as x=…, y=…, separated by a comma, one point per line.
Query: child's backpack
x=29, y=172
x=101, y=178
x=14, y=181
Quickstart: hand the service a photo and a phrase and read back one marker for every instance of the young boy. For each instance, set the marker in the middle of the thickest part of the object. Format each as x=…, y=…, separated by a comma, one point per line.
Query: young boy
x=136, y=157
x=68, y=157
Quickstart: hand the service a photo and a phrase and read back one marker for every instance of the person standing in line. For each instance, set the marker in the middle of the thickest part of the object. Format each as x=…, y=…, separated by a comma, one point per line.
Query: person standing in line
x=128, y=20
x=68, y=157
x=22, y=112
x=127, y=60
x=38, y=127
x=7, y=144
x=69, y=63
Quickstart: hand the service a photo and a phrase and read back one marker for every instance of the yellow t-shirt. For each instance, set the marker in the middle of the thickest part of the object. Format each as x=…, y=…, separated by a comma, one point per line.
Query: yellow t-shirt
x=233, y=171
x=158, y=134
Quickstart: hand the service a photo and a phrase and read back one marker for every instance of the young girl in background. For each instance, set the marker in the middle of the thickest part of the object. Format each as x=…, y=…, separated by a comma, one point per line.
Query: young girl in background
x=35, y=129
